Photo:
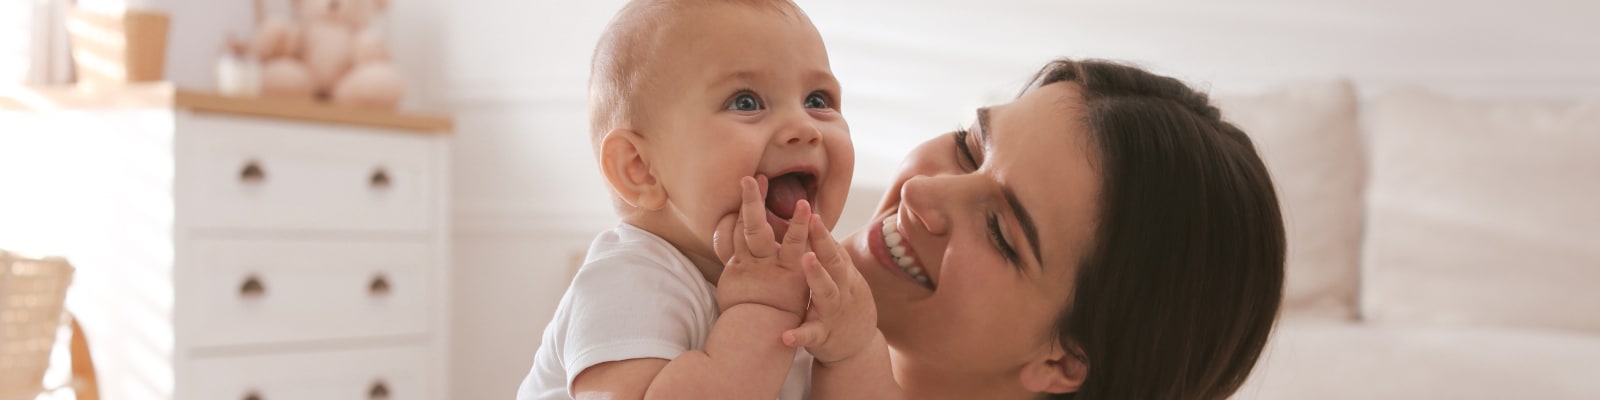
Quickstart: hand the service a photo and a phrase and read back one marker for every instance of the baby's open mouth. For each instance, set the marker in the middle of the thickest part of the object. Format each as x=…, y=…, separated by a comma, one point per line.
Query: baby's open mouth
x=783, y=191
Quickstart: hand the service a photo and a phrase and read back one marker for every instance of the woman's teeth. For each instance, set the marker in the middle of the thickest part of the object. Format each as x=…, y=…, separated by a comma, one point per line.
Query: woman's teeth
x=892, y=240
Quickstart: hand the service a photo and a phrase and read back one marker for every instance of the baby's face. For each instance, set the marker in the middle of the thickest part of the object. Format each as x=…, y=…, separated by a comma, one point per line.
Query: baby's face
x=745, y=92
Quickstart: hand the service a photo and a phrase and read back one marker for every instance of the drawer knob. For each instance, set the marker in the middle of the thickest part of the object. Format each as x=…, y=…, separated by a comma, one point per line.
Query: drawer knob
x=252, y=173
x=252, y=288
x=379, y=179
x=379, y=391
x=252, y=395
x=379, y=285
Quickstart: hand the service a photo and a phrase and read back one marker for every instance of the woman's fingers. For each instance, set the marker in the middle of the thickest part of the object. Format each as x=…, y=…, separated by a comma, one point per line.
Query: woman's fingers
x=758, y=236
x=795, y=240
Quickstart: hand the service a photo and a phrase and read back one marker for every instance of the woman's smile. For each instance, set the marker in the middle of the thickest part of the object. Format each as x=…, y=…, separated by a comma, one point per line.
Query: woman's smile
x=891, y=246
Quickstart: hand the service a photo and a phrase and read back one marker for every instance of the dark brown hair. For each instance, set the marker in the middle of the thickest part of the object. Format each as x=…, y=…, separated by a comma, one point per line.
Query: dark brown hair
x=1178, y=293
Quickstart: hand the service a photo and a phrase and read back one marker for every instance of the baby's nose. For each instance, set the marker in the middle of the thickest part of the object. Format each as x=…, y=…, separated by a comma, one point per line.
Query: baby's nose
x=800, y=133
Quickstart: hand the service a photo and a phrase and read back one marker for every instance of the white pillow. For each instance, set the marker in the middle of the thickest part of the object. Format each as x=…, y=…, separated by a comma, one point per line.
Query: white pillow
x=1484, y=213
x=1309, y=137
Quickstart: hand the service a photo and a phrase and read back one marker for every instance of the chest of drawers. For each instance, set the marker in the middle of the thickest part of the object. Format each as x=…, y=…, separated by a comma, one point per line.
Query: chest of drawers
x=238, y=249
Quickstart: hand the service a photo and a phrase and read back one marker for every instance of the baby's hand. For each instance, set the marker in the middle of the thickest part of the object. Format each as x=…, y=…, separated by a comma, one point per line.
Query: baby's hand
x=758, y=269
x=842, y=319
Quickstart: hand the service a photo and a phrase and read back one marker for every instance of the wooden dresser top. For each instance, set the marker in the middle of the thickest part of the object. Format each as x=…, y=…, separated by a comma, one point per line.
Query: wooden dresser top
x=165, y=95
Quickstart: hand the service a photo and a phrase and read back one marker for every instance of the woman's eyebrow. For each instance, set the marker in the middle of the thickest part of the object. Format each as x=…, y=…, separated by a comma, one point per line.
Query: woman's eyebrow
x=983, y=127
x=1029, y=230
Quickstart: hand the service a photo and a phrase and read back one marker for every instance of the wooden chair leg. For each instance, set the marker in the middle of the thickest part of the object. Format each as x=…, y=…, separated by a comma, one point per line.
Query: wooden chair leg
x=83, y=377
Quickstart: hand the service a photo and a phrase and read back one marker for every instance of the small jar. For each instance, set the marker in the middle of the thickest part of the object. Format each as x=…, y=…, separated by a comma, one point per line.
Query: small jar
x=238, y=75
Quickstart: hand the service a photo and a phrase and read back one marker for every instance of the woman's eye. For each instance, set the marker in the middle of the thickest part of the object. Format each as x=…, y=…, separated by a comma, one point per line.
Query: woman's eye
x=998, y=239
x=964, y=149
x=817, y=100
x=744, y=102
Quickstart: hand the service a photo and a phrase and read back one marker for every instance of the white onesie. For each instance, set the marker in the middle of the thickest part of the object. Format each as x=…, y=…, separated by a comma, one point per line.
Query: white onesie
x=636, y=296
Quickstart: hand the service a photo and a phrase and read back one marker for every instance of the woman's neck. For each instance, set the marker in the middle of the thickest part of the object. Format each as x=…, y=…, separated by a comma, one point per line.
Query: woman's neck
x=930, y=380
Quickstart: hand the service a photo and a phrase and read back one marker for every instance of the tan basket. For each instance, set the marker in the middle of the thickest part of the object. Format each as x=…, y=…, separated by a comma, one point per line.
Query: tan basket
x=32, y=295
x=117, y=48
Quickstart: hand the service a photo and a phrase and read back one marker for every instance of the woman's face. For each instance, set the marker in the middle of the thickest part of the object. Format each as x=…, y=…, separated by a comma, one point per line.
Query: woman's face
x=994, y=221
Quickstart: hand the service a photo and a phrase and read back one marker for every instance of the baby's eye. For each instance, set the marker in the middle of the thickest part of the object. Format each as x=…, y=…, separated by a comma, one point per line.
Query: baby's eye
x=817, y=100
x=744, y=101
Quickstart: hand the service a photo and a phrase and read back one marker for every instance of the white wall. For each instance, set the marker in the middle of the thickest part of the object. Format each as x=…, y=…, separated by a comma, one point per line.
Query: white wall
x=15, y=25
x=527, y=198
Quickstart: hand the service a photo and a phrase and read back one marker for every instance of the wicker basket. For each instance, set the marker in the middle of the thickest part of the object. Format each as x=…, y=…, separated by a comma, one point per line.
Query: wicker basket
x=32, y=295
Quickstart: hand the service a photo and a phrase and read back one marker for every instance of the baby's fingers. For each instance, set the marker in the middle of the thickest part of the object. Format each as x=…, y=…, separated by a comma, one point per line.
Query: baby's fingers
x=758, y=236
x=828, y=251
x=824, y=292
x=809, y=334
x=794, y=241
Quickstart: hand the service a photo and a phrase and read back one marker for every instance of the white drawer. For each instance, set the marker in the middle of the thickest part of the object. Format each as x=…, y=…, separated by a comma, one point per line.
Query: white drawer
x=378, y=374
x=236, y=172
x=243, y=292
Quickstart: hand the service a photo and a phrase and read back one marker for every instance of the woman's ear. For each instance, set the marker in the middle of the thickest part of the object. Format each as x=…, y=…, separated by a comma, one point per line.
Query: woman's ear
x=626, y=165
x=1056, y=371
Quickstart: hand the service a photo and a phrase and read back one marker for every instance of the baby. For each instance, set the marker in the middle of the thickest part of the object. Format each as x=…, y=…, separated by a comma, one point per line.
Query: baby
x=687, y=97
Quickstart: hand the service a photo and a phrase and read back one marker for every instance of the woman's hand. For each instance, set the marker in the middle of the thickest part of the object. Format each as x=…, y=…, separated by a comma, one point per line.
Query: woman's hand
x=842, y=319
x=758, y=269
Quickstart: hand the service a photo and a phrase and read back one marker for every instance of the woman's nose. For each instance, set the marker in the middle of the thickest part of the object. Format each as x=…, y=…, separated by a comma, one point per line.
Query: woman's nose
x=924, y=201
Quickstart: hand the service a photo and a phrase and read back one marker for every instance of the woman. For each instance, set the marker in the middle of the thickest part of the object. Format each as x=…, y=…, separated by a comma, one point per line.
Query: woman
x=1105, y=236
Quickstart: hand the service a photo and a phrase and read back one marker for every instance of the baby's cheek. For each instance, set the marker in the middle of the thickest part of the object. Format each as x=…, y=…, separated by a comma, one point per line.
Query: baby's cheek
x=835, y=194
x=720, y=200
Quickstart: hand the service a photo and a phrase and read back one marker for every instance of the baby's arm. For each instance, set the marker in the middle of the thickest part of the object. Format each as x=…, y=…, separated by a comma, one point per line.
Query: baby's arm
x=742, y=358
x=840, y=329
x=866, y=375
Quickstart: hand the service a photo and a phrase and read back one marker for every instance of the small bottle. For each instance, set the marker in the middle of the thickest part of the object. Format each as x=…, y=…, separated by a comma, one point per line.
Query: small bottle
x=238, y=73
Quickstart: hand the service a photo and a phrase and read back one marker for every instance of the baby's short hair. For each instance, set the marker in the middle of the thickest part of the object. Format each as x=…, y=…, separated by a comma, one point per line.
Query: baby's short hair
x=623, y=60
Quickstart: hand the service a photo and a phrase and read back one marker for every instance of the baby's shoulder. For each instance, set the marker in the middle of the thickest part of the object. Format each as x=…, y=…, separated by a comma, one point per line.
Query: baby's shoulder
x=632, y=249
x=646, y=267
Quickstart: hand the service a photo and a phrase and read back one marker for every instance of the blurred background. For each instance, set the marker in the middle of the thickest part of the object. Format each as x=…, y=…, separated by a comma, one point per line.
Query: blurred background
x=1318, y=78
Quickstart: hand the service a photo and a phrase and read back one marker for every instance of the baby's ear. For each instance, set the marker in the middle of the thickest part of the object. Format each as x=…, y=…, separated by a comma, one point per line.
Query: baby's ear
x=1055, y=371
x=626, y=164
